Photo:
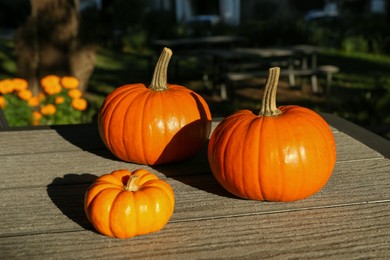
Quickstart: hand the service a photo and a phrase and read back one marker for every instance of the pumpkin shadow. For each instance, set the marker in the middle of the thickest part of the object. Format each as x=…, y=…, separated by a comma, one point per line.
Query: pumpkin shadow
x=67, y=193
x=187, y=139
x=194, y=172
x=86, y=138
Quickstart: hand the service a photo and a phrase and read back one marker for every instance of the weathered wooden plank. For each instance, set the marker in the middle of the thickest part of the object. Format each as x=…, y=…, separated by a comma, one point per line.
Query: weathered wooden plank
x=359, y=231
x=42, y=168
x=42, y=185
x=85, y=137
x=364, y=136
x=349, y=149
x=59, y=207
x=55, y=139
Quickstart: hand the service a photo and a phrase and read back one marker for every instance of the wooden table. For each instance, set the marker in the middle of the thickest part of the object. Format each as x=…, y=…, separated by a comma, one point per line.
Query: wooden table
x=231, y=65
x=45, y=173
x=199, y=42
x=286, y=57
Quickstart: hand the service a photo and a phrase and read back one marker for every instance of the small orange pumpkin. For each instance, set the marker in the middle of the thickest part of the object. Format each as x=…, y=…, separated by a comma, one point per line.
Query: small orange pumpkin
x=160, y=124
x=124, y=204
x=282, y=154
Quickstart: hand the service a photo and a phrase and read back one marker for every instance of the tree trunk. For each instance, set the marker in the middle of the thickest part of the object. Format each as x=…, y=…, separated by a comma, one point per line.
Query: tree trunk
x=49, y=44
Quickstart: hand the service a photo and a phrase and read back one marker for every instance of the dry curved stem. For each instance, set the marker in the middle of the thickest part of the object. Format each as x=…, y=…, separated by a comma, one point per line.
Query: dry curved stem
x=268, y=106
x=131, y=184
x=159, y=80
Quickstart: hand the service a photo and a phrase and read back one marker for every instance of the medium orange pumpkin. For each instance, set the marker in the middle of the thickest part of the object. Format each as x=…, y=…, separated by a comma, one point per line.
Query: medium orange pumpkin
x=153, y=125
x=282, y=154
x=124, y=204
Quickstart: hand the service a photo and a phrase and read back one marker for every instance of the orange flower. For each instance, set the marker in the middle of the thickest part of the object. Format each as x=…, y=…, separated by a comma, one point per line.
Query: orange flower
x=79, y=104
x=33, y=101
x=6, y=86
x=19, y=84
x=2, y=102
x=53, y=89
x=75, y=93
x=41, y=96
x=48, y=110
x=25, y=94
x=36, y=117
x=51, y=84
x=59, y=100
x=69, y=82
x=50, y=80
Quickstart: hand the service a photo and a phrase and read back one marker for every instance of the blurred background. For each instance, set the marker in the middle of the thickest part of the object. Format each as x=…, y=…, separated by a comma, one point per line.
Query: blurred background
x=109, y=43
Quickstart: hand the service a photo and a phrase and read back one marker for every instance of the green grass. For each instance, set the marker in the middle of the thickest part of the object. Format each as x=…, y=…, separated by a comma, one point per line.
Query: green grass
x=361, y=91
x=359, y=70
x=114, y=69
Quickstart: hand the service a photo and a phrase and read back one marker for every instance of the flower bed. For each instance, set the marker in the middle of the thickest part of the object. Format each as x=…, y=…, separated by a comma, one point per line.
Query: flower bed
x=60, y=101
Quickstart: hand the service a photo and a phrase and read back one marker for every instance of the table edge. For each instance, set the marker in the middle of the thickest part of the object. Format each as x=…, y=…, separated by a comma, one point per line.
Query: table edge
x=370, y=139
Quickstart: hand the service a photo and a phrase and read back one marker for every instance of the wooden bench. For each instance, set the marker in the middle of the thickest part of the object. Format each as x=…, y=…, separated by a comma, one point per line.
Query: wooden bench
x=328, y=71
x=232, y=78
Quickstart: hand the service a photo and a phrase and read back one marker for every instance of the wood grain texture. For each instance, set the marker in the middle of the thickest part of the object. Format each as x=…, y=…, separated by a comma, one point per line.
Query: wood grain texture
x=55, y=139
x=360, y=231
x=49, y=165
x=66, y=138
x=44, y=175
x=375, y=142
x=198, y=197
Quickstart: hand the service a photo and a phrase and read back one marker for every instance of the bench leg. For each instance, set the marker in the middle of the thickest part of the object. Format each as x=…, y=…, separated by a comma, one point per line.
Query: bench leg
x=328, y=82
x=223, y=92
x=314, y=83
x=207, y=86
x=291, y=79
x=328, y=71
x=291, y=76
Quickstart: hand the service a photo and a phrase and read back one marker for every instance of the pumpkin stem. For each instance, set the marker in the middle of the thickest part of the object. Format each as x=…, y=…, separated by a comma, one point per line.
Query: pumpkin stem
x=268, y=106
x=159, y=80
x=131, y=184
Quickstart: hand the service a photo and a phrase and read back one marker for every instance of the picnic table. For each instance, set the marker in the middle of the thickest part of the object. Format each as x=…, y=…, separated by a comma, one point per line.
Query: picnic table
x=199, y=42
x=44, y=174
x=229, y=67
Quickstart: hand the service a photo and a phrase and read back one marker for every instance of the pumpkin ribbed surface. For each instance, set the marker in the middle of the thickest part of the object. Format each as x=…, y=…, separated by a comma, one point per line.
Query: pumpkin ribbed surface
x=281, y=154
x=116, y=210
x=152, y=127
x=282, y=158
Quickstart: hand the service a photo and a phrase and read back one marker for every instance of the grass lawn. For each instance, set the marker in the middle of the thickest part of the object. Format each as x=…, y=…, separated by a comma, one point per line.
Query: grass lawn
x=361, y=90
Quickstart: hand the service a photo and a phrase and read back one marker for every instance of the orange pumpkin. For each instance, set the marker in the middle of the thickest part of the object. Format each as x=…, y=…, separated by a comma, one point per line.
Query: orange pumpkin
x=124, y=204
x=282, y=154
x=157, y=124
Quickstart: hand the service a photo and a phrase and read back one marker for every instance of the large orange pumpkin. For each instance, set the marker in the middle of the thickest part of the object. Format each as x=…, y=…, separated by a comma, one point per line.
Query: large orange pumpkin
x=157, y=124
x=124, y=204
x=282, y=154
